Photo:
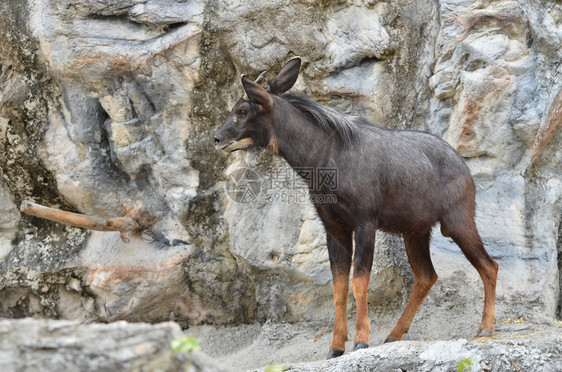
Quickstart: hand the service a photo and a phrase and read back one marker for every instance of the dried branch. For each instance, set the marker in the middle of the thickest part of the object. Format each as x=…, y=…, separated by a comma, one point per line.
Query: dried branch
x=260, y=78
x=124, y=225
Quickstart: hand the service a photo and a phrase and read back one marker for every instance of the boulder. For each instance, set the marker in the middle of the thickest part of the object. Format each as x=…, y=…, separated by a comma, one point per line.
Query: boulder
x=58, y=345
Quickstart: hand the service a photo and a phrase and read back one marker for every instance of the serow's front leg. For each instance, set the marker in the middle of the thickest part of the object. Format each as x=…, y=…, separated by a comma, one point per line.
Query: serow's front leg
x=340, y=250
x=362, y=263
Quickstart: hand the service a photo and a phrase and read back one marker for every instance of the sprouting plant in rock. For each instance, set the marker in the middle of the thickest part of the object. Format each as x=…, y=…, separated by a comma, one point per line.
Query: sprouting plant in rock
x=185, y=345
x=275, y=368
x=464, y=364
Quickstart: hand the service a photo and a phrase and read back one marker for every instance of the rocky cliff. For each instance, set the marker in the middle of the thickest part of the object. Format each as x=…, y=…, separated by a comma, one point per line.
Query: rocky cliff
x=108, y=108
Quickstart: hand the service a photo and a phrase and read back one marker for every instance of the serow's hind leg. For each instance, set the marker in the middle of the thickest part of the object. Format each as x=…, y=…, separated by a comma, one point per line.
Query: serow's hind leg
x=417, y=248
x=363, y=261
x=467, y=238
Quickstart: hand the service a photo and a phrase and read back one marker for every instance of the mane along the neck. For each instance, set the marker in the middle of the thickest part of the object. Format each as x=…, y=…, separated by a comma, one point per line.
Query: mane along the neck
x=333, y=122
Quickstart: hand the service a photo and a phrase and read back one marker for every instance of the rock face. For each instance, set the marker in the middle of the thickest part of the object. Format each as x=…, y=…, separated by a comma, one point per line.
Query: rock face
x=109, y=107
x=51, y=345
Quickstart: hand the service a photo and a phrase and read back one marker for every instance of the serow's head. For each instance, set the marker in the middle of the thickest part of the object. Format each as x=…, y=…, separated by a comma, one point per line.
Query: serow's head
x=249, y=123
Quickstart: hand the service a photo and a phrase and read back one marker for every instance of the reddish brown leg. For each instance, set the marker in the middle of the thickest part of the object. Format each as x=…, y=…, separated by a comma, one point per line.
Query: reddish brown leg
x=363, y=261
x=341, y=285
x=417, y=248
x=471, y=245
x=362, y=327
x=340, y=251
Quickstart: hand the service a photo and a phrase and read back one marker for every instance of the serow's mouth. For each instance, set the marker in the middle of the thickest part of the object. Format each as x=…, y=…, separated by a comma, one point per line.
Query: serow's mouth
x=223, y=147
x=232, y=146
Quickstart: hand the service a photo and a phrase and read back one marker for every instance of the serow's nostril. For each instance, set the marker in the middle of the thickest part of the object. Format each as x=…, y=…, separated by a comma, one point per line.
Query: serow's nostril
x=217, y=141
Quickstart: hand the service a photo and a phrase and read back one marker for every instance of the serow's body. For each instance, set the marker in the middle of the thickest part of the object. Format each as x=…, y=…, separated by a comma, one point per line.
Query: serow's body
x=403, y=182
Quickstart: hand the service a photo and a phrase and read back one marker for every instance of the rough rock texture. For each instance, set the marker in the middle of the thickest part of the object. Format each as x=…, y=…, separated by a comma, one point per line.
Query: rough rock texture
x=60, y=345
x=532, y=352
x=55, y=345
x=108, y=108
x=251, y=347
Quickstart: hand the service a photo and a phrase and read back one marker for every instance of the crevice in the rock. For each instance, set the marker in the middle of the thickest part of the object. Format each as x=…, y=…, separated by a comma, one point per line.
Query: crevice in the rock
x=368, y=60
x=109, y=162
x=161, y=238
x=243, y=267
x=475, y=64
x=125, y=19
x=119, y=17
x=559, y=250
x=141, y=105
x=529, y=39
x=365, y=61
x=173, y=26
x=143, y=178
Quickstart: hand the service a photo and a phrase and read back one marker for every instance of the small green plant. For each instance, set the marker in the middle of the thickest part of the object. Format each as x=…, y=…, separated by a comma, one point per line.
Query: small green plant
x=464, y=364
x=187, y=345
x=275, y=368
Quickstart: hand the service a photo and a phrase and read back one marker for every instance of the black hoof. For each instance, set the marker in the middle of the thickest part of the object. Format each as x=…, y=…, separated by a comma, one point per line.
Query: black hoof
x=389, y=339
x=485, y=333
x=360, y=345
x=334, y=353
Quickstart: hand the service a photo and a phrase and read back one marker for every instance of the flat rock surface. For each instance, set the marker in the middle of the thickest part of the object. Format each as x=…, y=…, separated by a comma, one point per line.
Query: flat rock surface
x=516, y=346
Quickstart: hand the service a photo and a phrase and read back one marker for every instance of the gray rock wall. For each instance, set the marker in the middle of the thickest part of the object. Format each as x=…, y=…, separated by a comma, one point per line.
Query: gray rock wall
x=108, y=108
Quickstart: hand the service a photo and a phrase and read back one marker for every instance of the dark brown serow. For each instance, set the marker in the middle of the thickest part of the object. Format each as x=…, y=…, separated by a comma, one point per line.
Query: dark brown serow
x=402, y=182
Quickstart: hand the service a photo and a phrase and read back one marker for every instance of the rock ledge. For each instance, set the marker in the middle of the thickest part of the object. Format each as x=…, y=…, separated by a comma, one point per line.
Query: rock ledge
x=532, y=351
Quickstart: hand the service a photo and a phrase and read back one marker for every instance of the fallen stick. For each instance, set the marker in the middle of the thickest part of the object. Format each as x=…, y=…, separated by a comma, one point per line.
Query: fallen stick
x=122, y=224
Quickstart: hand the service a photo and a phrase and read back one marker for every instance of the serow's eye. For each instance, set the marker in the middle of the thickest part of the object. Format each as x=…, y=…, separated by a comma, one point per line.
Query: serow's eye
x=243, y=112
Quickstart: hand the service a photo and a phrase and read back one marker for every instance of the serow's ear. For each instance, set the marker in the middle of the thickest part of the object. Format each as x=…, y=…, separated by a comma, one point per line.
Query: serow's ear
x=287, y=77
x=257, y=94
